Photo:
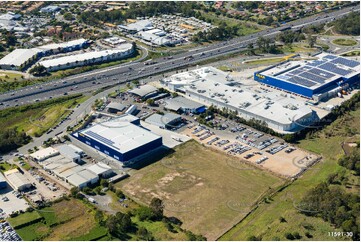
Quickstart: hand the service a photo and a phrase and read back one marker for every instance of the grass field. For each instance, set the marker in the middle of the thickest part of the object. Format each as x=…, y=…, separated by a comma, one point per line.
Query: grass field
x=159, y=230
x=297, y=48
x=352, y=53
x=265, y=61
x=6, y=166
x=246, y=28
x=199, y=187
x=65, y=220
x=10, y=77
x=37, y=120
x=24, y=219
x=265, y=222
x=345, y=42
x=35, y=231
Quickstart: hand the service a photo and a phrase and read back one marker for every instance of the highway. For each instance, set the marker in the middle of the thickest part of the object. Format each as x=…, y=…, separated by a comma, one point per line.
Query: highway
x=96, y=79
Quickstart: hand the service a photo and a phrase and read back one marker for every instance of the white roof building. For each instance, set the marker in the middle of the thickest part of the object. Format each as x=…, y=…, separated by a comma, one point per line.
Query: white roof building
x=68, y=152
x=83, y=178
x=101, y=169
x=214, y=87
x=44, y=154
x=143, y=90
x=88, y=57
x=17, y=180
x=17, y=58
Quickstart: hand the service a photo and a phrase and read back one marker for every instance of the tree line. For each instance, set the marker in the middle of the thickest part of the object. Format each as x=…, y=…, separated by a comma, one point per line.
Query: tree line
x=334, y=205
x=11, y=139
x=138, y=9
x=349, y=25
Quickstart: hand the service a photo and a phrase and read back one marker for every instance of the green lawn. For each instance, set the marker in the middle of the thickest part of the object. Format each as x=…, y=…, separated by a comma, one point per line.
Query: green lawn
x=65, y=220
x=265, y=222
x=24, y=218
x=6, y=166
x=352, y=53
x=345, y=42
x=159, y=230
x=96, y=233
x=10, y=77
x=246, y=28
x=36, y=119
x=35, y=231
x=265, y=61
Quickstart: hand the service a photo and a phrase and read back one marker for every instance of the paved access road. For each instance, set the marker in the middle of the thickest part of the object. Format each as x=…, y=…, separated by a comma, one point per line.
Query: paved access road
x=120, y=74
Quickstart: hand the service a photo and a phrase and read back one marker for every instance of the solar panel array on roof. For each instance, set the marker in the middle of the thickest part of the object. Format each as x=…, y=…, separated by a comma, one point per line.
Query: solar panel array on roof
x=331, y=57
x=312, y=77
x=319, y=72
x=316, y=63
x=345, y=62
x=301, y=81
x=333, y=68
x=100, y=138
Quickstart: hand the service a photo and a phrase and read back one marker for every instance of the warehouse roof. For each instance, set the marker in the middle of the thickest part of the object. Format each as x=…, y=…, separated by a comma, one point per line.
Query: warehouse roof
x=44, y=153
x=71, y=171
x=119, y=135
x=68, y=44
x=59, y=170
x=76, y=148
x=316, y=73
x=271, y=106
x=209, y=73
x=180, y=102
x=162, y=120
x=118, y=106
x=77, y=180
x=99, y=168
x=16, y=179
x=137, y=26
x=85, y=56
x=2, y=178
x=54, y=162
x=19, y=56
x=68, y=151
x=144, y=90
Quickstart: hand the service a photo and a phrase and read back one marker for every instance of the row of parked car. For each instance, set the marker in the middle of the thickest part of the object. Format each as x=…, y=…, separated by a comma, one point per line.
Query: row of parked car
x=7, y=233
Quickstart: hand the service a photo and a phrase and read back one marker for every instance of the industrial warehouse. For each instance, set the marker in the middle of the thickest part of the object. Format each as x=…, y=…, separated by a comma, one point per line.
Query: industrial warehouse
x=88, y=58
x=214, y=87
x=21, y=58
x=121, y=138
x=319, y=79
x=63, y=161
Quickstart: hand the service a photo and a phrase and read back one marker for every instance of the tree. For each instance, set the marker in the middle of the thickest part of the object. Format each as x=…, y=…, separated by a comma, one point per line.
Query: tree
x=157, y=207
x=10, y=39
x=150, y=102
x=144, y=213
x=311, y=40
x=119, y=224
x=104, y=183
x=144, y=234
x=250, y=49
x=68, y=16
x=120, y=194
x=38, y=70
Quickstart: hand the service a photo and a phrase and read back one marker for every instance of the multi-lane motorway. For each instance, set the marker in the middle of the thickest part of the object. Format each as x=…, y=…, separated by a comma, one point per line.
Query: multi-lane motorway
x=119, y=74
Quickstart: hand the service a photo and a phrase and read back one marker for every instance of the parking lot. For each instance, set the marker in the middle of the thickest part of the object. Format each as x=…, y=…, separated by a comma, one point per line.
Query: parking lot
x=11, y=202
x=7, y=233
x=253, y=147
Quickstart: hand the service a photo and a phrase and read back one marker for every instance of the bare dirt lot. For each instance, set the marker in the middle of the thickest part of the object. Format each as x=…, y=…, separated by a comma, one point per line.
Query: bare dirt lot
x=199, y=187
